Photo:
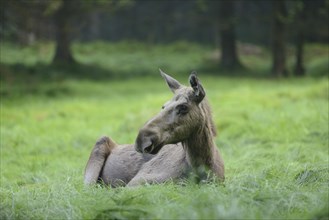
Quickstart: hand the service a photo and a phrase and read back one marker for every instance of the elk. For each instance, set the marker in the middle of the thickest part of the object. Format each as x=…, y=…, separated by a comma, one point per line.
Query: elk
x=175, y=144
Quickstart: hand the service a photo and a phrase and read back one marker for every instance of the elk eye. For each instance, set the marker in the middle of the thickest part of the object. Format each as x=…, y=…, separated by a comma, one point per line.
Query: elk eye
x=182, y=109
x=163, y=107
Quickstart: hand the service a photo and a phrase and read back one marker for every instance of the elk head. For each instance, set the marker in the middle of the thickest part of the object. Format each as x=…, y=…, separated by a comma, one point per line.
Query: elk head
x=179, y=118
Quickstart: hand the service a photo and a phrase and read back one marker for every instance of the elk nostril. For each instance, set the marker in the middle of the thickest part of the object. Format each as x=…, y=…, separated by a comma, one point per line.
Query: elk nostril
x=148, y=149
x=145, y=141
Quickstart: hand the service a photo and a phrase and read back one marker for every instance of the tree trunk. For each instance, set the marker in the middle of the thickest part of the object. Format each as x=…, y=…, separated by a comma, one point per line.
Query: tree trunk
x=278, y=38
x=229, y=58
x=62, y=18
x=300, y=39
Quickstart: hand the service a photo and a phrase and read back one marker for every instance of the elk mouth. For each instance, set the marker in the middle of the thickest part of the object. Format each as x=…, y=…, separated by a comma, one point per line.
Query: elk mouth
x=150, y=148
x=155, y=149
x=148, y=142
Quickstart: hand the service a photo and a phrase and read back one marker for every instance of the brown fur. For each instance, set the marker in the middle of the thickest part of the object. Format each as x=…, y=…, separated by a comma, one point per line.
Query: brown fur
x=177, y=142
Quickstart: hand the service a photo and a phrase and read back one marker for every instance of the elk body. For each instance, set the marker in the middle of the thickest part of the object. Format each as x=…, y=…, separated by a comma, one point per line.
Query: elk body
x=177, y=142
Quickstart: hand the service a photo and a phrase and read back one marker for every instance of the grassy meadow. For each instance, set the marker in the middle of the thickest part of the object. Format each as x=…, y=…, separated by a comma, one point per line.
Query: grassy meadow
x=272, y=133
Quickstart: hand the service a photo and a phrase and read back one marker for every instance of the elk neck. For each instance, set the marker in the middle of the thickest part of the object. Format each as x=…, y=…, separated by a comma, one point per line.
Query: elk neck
x=200, y=148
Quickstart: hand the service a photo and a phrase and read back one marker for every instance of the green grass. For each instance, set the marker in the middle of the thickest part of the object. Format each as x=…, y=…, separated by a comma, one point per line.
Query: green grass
x=273, y=135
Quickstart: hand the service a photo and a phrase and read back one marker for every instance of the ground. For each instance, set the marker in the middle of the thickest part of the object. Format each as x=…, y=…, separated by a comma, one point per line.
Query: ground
x=272, y=133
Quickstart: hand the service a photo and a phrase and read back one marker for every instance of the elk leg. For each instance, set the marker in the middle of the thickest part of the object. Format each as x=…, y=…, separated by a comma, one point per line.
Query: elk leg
x=98, y=156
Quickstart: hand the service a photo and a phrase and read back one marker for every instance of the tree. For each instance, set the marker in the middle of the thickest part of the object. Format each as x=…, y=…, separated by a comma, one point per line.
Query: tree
x=300, y=39
x=28, y=18
x=62, y=19
x=279, y=38
x=310, y=22
x=229, y=58
x=65, y=12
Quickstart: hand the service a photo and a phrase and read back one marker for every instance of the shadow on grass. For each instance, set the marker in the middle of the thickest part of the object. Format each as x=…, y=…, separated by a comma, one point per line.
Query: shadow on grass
x=20, y=79
x=241, y=71
x=321, y=214
x=318, y=69
x=42, y=72
x=46, y=72
x=121, y=213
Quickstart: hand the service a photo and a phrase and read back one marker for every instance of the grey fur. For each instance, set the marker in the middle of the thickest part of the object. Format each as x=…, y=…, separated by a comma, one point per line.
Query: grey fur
x=177, y=142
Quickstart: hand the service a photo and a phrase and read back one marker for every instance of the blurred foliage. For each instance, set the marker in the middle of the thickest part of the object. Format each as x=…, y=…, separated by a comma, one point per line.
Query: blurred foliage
x=158, y=21
x=217, y=24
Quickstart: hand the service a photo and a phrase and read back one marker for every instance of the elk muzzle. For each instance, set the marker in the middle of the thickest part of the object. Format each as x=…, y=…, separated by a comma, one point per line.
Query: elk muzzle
x=147, y=142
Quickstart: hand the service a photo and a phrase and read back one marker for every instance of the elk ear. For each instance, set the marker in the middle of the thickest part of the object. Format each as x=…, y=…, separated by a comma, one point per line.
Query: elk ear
x=199, y=92
x=172, y=83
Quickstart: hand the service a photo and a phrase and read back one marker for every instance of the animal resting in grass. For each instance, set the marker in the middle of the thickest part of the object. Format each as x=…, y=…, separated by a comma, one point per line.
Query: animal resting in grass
x=174, y=144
